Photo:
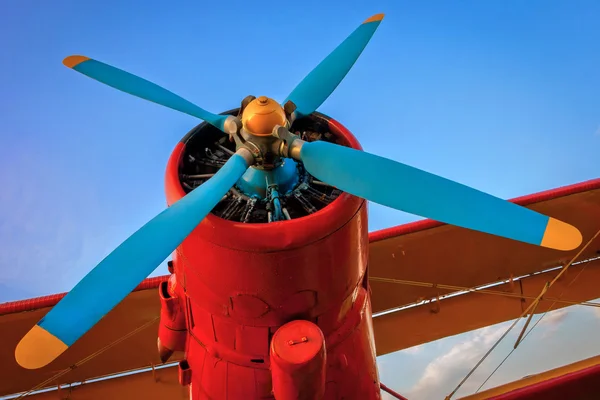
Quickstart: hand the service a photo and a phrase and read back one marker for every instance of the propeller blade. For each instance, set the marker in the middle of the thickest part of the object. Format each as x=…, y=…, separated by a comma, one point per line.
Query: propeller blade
x=128, y=83
x=122, y=270
x=405, y=188
x=318, y=85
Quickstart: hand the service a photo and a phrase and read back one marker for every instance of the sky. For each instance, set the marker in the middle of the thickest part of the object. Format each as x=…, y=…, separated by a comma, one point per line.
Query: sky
x=498, y=95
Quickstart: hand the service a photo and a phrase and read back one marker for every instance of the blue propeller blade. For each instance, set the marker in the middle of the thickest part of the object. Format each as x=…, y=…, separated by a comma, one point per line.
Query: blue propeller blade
x=122, y=270
x=318, y=85
x=128, y=83
x=418, y=192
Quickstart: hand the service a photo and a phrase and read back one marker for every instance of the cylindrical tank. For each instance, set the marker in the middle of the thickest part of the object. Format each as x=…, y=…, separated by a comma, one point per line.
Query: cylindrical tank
x=298, y=361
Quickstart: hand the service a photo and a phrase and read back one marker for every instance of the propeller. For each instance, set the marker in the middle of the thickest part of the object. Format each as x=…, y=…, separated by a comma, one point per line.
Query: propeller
x=129, y=83
x=125, y=268
x=135, y=258
x=318, y=85
x=409, y=189
x=362, y=174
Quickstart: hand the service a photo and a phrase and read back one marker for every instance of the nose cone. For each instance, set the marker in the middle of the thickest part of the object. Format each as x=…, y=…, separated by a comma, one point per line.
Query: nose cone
x=261, y=116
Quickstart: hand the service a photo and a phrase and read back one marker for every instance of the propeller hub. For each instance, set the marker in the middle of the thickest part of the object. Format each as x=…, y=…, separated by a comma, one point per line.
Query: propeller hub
x=261, y=115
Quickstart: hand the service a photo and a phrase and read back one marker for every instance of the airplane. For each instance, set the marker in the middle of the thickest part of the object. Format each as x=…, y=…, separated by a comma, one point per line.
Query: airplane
x=272, y=287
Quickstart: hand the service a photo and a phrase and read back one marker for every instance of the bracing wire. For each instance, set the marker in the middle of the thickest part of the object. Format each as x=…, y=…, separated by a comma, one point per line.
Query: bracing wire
x=86, y=359
x=534, y=325
x=527, y=311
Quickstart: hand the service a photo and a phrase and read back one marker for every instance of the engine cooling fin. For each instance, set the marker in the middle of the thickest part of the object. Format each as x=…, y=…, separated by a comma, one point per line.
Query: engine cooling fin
x=298, y=195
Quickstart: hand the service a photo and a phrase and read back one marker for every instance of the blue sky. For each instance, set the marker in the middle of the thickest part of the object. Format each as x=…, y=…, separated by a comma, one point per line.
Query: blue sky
x=499, y=95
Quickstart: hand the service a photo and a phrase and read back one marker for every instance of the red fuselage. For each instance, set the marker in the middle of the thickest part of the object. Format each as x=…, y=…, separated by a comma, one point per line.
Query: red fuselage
x=236, y=284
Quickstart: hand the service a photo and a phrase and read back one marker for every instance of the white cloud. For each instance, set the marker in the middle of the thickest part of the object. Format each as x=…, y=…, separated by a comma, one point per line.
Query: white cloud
x=555, y=317
x=413, y=350
x=446, y=371
x=552, y=321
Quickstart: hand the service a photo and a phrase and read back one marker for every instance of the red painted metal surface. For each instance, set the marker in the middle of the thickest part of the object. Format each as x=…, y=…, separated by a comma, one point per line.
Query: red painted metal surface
x=242, y=282
x=580, y=385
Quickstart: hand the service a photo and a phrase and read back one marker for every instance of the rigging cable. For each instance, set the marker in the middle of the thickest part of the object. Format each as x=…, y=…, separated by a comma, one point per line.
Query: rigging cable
x=534, y=325
x=530, y=308
x=476, y=289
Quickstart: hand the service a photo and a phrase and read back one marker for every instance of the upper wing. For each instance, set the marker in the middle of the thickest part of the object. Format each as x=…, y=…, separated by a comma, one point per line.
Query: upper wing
x=416, y=257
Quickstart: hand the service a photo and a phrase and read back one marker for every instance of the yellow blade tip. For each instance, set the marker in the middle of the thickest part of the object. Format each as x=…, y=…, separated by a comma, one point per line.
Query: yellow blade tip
x=374, y=18
x=73, y=61
x=561, y=236
x=38, y=348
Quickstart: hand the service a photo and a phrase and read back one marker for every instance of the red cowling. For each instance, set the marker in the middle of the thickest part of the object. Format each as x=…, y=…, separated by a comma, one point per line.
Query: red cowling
x=243, y=282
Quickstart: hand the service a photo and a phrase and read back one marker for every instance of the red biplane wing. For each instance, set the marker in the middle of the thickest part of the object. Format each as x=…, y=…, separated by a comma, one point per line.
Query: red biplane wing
x=410, y=266
x=124, y=340
x=580, y=380
x=417, y=263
